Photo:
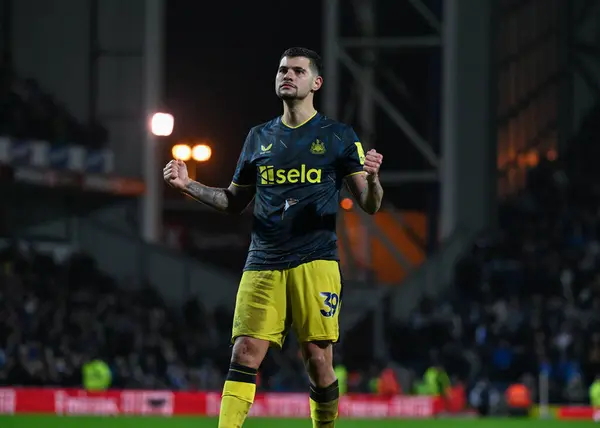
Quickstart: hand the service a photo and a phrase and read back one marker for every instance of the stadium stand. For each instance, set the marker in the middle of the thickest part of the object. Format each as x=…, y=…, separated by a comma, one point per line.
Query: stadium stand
x=56, y=316
x=532, y=287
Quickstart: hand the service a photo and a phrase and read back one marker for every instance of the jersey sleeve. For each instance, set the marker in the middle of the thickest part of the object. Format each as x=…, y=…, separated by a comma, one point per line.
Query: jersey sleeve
x=245, y=171
x=352, y=157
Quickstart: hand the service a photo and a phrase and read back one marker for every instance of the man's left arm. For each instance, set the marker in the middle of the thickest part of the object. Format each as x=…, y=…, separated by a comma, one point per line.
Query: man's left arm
x=365, y=185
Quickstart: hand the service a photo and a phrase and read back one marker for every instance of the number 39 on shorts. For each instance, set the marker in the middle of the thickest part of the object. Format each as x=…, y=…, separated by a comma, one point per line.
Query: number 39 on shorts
x=331, y=302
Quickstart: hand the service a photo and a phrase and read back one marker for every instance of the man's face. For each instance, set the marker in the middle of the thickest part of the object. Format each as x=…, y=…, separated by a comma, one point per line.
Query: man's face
x=295, y=79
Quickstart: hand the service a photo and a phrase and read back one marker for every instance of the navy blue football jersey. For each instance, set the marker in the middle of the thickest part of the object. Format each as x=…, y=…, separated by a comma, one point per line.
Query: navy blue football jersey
x=298, y=173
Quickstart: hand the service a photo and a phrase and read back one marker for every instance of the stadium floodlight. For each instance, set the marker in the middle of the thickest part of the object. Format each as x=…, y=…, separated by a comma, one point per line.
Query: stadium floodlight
x=162, y=124
x=201, y=152
x=181, y=152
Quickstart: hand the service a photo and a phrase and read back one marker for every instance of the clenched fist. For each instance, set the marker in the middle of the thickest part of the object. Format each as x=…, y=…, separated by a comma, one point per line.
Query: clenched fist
x=176, y=174
x=372, y=163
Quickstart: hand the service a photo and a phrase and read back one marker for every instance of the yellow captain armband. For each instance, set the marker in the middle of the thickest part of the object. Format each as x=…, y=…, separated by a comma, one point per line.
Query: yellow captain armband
x=361, y=152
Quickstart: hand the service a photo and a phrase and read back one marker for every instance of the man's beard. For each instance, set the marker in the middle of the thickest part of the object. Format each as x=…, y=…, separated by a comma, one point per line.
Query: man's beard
x=290, y=96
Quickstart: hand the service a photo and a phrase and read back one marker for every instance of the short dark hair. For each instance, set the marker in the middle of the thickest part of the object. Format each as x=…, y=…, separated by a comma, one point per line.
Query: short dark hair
x=315, y=59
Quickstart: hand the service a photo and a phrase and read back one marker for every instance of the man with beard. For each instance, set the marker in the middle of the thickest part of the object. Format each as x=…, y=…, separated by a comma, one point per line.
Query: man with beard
x=294, y=165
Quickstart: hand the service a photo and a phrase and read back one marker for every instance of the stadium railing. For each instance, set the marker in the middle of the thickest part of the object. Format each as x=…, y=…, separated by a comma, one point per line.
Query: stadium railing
x=432, y=278
x=176, y=276
x=429, y=277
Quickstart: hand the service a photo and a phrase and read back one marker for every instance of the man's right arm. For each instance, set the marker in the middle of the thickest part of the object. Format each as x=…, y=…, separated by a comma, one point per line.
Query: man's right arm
x=236, y=197
x=232, y=200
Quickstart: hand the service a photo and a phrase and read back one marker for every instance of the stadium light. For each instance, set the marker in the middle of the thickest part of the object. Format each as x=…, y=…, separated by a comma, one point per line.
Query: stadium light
x=162, y=124
x=181, y=152
x=201, y=153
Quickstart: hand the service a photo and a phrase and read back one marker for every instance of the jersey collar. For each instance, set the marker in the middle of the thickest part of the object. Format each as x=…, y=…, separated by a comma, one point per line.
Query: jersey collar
x=298, y=126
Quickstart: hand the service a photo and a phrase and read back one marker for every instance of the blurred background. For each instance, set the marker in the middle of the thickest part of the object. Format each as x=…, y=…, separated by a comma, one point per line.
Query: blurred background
x=478, y=282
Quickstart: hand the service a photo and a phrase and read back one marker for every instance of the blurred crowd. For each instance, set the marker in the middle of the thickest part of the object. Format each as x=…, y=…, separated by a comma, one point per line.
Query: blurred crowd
x=55, y=317
x=526, y=298
x=29, y=113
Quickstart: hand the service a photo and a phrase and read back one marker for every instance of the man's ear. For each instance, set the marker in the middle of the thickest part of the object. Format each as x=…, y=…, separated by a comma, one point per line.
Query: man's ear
x=317, y=84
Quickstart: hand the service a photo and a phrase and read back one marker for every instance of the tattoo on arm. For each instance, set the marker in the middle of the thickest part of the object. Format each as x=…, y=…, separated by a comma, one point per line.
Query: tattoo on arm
x=370, y=195
x=216, y=198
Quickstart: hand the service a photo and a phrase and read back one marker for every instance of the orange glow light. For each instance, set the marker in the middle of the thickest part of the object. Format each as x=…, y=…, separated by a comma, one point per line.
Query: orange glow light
x=181, y=152
x=201, y=153
x=346, y=204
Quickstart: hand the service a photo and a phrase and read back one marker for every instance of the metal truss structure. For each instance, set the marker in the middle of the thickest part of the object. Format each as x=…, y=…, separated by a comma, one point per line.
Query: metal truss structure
x=359, y=55
x=466, y=171
x=372, y=99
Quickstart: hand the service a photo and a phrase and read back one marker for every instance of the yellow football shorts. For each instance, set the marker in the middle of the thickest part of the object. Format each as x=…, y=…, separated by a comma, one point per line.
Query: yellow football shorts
x=306, y=298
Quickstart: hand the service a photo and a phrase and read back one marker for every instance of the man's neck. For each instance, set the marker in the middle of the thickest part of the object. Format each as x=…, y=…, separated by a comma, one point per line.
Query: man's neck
x=297, y=114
